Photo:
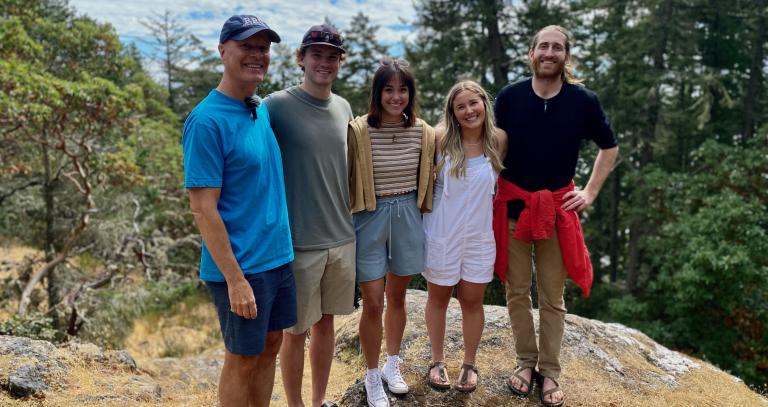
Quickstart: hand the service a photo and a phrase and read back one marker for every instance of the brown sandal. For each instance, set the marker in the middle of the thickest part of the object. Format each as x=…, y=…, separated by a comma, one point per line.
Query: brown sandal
x=527, y=383
x=462, y=385
x=542, y=393
x=444, y=383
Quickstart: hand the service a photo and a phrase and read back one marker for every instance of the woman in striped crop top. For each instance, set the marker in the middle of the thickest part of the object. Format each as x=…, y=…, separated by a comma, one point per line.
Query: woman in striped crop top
x=391, y=172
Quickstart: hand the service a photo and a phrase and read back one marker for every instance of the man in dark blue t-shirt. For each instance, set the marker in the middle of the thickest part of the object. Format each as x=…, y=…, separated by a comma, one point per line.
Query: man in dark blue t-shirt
x=234, y=174
x=546, y=118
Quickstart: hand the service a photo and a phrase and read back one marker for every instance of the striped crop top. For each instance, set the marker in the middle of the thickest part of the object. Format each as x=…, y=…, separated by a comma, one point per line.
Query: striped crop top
x=396, y=151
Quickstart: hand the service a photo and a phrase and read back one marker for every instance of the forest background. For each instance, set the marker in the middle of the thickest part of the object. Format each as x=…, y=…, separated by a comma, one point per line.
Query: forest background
x=91, y=168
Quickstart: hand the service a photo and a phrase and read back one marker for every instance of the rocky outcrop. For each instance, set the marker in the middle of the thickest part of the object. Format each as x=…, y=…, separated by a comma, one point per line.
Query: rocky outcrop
x=38, y=369
x=33, y=363
x=603, y=365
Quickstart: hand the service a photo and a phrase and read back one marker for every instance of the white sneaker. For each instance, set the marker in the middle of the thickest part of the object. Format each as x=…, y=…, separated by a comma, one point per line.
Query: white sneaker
x=374, y=391
x=390, y=373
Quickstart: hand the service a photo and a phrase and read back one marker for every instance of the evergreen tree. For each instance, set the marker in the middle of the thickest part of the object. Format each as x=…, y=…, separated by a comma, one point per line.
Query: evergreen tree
x=284, y=71
x=176, y=49
x=457, y=40
x=364, y=52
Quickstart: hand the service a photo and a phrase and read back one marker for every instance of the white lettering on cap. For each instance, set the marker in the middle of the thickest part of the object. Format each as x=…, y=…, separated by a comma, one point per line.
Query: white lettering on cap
x=248, y=21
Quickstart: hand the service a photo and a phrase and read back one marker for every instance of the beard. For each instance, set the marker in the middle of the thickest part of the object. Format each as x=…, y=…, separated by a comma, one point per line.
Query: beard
x=548, y=73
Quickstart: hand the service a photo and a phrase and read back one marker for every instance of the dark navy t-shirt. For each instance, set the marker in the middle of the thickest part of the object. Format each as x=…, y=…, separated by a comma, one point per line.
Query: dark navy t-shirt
x=545, y=135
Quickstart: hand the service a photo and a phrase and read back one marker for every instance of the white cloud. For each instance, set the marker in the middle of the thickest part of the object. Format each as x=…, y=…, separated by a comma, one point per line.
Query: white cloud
x=289, y=18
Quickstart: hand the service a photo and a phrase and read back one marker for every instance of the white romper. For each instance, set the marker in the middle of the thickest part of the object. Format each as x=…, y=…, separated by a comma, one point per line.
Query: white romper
x=458, y=232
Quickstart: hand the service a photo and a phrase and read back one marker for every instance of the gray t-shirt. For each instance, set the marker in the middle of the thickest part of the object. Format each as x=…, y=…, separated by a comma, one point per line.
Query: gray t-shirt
x=312, y=134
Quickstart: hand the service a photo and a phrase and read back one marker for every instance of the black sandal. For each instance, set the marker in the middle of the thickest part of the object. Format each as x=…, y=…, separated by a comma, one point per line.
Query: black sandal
x=542, y=393
x=464, y=378
x=444, y=383
x=525, y=382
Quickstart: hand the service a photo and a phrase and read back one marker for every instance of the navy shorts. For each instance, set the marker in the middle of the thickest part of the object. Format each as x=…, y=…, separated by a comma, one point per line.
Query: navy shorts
x=275, y=292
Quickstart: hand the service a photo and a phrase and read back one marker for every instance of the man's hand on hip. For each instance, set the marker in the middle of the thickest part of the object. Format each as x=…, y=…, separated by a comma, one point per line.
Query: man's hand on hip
x=578, y=200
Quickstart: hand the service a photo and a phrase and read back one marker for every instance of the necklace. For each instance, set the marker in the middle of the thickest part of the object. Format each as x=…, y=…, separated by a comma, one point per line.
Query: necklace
x=472, y=144
x=400, y=123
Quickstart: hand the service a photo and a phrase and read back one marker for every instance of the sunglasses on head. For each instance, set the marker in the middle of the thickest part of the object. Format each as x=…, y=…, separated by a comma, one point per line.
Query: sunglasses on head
x=395, y=62
x=326, y=36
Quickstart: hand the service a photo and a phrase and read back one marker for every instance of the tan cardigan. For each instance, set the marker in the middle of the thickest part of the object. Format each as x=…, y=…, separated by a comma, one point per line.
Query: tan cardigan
x=360, y=167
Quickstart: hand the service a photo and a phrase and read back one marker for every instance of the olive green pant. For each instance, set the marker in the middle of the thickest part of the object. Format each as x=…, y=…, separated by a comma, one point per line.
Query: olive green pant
x=550, y=283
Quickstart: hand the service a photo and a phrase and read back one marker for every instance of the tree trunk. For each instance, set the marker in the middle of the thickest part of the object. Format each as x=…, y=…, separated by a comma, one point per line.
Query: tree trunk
x=755, y=81
x=35, y=278
x=52, y=286
x=169, y=59
x=633, y=261
x=615, y=244
x=639, y=227
x=60, y=256
x=598, y=212
x=80, y=180
x=682, y=141
x=616, y=24
x=498, y=55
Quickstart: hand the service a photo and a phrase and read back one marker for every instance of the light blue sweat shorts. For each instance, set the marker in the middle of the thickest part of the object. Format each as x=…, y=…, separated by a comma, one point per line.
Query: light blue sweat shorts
x=390, y=238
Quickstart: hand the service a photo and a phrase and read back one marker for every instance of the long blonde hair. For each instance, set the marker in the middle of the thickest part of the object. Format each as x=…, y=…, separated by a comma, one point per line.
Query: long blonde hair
x=451, y=144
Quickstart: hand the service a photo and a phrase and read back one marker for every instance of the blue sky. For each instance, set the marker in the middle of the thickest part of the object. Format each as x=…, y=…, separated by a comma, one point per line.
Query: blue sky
x=290, y=19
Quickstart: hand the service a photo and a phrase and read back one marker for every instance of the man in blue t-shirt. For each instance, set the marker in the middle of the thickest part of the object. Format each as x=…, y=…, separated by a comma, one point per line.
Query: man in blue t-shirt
x=234, y=175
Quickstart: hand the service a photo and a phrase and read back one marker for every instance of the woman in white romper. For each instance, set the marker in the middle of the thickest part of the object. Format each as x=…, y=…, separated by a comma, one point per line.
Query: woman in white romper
x=460, y=248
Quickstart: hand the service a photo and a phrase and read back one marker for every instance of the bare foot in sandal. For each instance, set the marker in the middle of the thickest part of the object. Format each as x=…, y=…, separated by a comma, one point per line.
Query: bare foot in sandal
x=520, y=381
x=468, y=377
x=550, y=397
x=438, y=376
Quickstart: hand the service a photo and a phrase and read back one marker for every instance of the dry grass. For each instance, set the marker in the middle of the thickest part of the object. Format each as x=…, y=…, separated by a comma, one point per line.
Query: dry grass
x=8, y=401
x=16, y=253
x=705, y=386
x=185, y=330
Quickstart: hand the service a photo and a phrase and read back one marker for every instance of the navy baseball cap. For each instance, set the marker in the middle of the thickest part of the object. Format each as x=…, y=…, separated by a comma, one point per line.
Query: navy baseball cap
x=323, y=35
x=241, y=27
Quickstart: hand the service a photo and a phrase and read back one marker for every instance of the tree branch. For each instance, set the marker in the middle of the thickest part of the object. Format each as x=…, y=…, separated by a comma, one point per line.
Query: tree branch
x=10, y=193
x=11, y=130
x=34, y=279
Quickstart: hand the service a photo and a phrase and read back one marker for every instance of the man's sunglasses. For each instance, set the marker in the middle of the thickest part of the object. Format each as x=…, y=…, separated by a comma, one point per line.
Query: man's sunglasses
x=325, y=36
x=396, y=62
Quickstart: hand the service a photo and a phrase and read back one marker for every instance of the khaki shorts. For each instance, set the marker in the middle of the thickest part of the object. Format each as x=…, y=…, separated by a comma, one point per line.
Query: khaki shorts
x=325, y=284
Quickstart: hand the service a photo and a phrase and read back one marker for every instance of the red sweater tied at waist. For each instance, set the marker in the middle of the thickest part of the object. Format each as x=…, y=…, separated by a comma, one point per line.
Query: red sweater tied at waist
x=542, y=214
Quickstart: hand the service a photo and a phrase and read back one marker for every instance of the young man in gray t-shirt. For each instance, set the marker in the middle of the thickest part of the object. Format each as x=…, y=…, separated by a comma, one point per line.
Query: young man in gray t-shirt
x=310, y=124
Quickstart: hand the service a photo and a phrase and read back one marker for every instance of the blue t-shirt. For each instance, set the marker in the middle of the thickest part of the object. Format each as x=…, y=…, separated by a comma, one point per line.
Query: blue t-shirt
x=225, y=148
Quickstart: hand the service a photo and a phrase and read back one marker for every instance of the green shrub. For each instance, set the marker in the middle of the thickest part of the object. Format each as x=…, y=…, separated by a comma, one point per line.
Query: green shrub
x=35, y=326
x=114, y=310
